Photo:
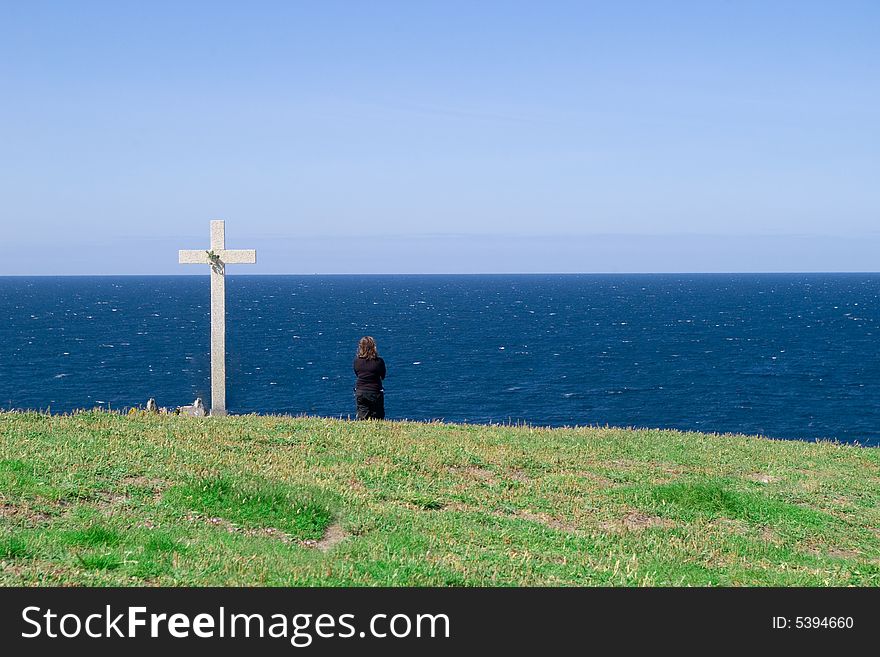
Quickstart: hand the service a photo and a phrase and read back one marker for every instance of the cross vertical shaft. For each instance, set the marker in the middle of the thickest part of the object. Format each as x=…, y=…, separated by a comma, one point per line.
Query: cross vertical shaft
x=218, y=322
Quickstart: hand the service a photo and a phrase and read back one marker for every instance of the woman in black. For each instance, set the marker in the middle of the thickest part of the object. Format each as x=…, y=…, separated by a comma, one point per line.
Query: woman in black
x=368, y=392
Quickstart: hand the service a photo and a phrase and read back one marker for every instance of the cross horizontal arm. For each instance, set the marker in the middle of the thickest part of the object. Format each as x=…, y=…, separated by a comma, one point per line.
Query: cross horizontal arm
x=238, y=256
x=192, y=257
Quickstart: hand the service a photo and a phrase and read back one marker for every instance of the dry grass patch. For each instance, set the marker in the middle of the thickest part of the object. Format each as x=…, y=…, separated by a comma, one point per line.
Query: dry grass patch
x=474, y=473
x=635, y=521
x=333, y=535
x=542, y=518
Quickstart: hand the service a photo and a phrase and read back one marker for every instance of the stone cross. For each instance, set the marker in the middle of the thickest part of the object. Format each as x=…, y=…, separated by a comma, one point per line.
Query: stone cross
x=218, y=257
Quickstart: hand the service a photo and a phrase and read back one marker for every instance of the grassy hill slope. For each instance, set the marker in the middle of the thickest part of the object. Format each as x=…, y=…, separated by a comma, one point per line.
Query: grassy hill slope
x=99, y=498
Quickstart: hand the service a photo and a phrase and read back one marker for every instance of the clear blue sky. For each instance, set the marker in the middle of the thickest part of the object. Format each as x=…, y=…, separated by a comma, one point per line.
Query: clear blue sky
x=441, y=136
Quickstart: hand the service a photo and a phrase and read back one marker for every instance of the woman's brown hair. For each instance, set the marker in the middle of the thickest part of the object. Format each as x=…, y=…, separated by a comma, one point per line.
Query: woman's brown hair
x=367, y=348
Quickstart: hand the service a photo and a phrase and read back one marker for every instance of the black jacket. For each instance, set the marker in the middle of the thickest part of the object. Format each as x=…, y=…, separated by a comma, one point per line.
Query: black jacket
x=369, y=374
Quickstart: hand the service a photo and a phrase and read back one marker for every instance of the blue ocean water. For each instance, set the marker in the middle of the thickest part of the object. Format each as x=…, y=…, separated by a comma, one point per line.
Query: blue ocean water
x=786, y=356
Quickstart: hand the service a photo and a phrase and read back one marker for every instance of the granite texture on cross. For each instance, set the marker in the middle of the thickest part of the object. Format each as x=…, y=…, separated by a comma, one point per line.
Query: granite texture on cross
x=218, y=256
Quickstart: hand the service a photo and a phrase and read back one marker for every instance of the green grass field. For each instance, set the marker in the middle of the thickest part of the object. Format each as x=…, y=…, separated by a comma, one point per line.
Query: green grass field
x=99, y=498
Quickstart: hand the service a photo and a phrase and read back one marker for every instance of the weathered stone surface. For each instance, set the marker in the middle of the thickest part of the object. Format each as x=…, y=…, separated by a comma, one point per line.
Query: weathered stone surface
x=222, y=257
x=196, y=409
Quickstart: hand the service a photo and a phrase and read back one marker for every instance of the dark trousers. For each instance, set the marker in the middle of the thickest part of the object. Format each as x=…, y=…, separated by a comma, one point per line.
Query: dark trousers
x=370, y=404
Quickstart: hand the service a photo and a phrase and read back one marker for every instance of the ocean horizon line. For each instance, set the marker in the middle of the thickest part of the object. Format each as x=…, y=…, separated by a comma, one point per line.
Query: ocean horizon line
x=468, y=274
